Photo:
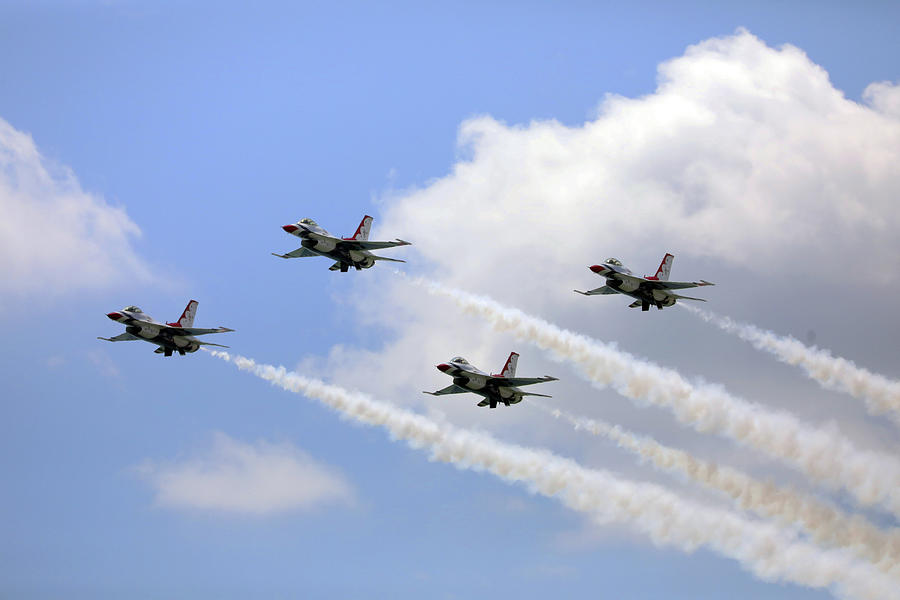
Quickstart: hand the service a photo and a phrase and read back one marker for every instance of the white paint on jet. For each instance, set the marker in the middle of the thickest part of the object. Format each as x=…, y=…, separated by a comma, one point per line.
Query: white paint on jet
x=170, y=337
x=501, y=388
x=346, y=252
x=652, y=289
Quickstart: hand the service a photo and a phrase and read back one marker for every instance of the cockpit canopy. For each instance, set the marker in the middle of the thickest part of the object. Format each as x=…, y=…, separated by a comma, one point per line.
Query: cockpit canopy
x=133, y=309
x=308, y=222
x=459, y=359
x=614, y=262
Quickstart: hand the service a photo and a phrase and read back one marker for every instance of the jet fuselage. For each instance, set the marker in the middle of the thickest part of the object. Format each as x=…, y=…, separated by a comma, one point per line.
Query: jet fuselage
x=478, y=382
x=325, y=244
x=630, y=286
x=147, y=329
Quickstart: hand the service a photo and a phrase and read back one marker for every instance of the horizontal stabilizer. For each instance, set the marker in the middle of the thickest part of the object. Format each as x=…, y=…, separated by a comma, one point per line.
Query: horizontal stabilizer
x=388, y=259
x=600, y=291
x=450, y=389
x=211, y=344
x=298, y=253
x=533, y=394
x=196, y=330
x=517, y=381
x=367, y=245
x=688, y=298
x=122, y=337
x=635, y=304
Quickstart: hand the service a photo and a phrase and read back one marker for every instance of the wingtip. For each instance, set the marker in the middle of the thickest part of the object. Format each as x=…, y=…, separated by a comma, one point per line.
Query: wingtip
x=580, y=292
x=278, y=255
x=225, y=329
x=404, y=242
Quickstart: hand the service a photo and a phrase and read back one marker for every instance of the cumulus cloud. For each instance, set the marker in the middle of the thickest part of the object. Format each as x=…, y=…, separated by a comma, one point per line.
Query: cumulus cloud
x=884, y=97
x=236, y=477
x=745, y=162
x=54, y=236
x=744, y=154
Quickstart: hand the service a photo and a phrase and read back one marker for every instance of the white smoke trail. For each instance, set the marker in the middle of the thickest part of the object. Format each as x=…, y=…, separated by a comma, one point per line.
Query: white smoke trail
x=825, y=456
x=826, y=523
x=880, y=394
x=760, y=547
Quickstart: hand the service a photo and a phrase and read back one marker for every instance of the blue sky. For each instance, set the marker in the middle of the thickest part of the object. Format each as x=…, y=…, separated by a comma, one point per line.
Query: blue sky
x=212, y=126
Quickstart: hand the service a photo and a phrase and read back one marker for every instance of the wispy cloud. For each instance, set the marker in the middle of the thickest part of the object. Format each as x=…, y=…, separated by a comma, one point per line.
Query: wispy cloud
x=826, y=523
x=880, y=394
x=824, y=456
x=56, y=238
x=237, y=477
x=763, y=549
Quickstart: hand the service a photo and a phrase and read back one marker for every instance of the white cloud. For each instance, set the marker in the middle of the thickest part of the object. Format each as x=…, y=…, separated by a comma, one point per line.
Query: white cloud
x=236, y=477
x=884, y=97
x=745, y=162
x=743, y=154
x=56, y=238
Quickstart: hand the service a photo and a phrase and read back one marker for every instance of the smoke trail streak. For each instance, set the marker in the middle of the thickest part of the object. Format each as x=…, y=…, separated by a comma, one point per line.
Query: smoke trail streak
x=759, y=547
x=824, y=522
x=880, y=394
x=825, y=456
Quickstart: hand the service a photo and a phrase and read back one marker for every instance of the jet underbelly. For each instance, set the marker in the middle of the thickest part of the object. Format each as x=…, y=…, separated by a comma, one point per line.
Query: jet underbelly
x=660, y=295
x=470, y=381
x=626, y=286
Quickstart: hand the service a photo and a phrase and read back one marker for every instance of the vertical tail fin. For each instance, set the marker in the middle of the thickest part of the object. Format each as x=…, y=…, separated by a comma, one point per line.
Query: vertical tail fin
x=362, y=232
x=187, y=317
x=662, y=273
x=509, y=369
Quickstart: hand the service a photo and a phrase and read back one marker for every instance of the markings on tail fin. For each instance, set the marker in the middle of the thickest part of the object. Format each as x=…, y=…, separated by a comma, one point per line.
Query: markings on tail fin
x=509, y=369
x=187, y=317
x=362, y=232
x=665, y=267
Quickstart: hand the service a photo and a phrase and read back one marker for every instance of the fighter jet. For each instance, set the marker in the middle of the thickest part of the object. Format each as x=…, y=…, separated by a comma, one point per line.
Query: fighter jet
x=499, y=388
x=170, y=337
x=346, y=252
x=652, y=289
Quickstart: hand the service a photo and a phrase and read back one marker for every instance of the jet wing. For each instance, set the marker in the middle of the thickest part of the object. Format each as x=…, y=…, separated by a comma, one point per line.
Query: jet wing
x=450, y=389
x=517, y=381
x=661, y=284
x=367, y=245
x=123, y=337
x=298, y=253
x=194, y=330
x=677, y=285
x=387, y=259
x=688, y=298
x=605, y=290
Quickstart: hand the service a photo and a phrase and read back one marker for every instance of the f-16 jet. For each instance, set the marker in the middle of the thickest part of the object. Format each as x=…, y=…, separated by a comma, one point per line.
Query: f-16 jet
x=501, y=388
x=170, y=337
x=651, y=289
x=346, y=252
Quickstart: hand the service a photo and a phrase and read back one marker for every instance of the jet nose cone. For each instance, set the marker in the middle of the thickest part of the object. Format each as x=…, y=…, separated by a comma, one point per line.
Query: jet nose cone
x=597, y=268
x=290, y=228
x=443, y=367
x=114, y=316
